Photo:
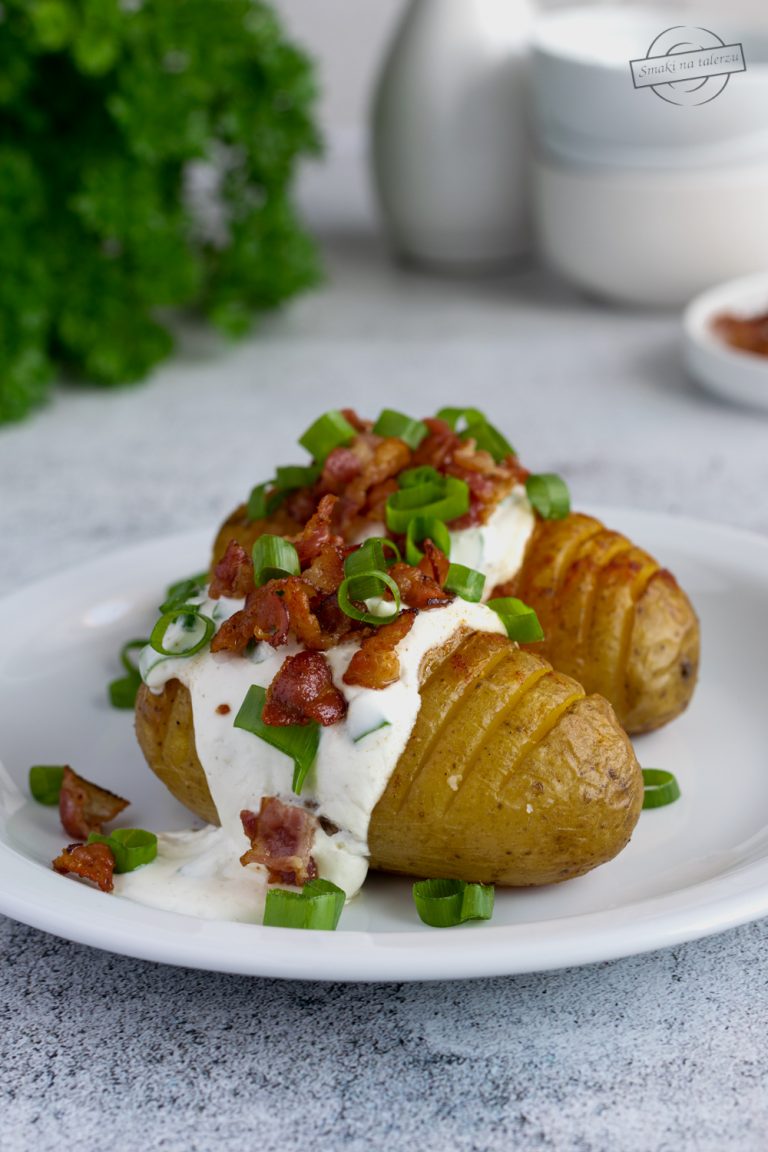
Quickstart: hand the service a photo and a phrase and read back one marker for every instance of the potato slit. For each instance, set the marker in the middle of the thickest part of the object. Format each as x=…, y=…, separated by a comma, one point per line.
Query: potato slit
x=584, y=603
x=485, y=668
x=620, y=687
x=543, y=730
x=485, y=734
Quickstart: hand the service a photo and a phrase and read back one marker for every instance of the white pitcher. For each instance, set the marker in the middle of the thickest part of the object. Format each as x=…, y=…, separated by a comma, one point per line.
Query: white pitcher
x=450, y=151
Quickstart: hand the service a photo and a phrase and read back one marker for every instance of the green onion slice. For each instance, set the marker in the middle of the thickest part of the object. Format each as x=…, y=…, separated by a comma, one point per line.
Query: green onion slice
x=45, y=783
x=289, y=477
x=299, y=741
x=446, y=903
x=426, y=474
x=263, y=501
x=371, y=556
x=549, y=495
x=179, y=593
x=520, y=621
x=423, y=528
x=661, y=788
x=123, y=691
x=327, y=433
x=131, y=847
x=273, y=558
x=370, y=731
x=446, y=501
x=464, y=416
x=192, y=617
x=465, y=582
x=391, y=423
x=489, y=439
x=367, y=586
x=318, y=906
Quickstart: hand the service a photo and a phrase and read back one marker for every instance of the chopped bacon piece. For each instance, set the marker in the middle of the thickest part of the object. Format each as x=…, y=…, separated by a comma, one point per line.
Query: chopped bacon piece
x=417, y=589
x=434, y=563
x=94, y=862
x=303, y=690
x=281, y=838
x=333, y=622
x=376, y=663
x=300, y=505
x=341, y=466
x=438, y=447
x=326, y=571
x=263, y=617
x=233, y=575
x=317, y=533
x=356, y=421
x=303, y=622
x=390, y=457
x=84, y=807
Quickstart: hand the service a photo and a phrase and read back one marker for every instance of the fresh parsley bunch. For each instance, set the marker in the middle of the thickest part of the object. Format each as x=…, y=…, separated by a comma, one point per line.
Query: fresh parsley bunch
x=146, y=153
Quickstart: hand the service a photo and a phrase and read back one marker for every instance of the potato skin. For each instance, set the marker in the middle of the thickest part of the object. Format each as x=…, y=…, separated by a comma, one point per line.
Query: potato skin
x=613, y=618
x=246, y=532
x=512, y=775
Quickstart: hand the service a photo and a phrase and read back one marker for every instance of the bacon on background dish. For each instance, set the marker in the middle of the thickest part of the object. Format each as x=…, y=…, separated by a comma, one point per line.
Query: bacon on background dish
x=281, y=838
x=94, y=862
x=86, y=808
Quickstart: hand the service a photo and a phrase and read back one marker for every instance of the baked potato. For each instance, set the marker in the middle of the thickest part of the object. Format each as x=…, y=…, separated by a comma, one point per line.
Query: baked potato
x=512, y=774
x=613, y=618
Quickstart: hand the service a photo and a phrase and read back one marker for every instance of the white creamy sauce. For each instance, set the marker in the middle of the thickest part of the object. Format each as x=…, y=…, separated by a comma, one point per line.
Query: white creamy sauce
x=199, y=872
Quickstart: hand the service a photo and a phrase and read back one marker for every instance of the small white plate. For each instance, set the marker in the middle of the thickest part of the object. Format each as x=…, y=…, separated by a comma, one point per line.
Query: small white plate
x=727, y=371
x=694, y=868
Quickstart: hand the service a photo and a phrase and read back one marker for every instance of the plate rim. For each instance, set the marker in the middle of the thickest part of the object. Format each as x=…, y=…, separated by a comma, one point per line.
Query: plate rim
x=726, y=900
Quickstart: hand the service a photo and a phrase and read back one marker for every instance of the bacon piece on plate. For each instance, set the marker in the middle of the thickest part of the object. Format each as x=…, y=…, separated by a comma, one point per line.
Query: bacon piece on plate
x=94, y=862
x=233, y=575
x=84, y=807
x=281, y=838
x=417, y=589
x=376, y=663
x=303, y=690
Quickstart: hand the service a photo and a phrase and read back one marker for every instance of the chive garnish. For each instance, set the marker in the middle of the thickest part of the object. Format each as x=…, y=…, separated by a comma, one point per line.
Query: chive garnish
x=299, y=741
x=45, y=782
x=520, y=621
x=318, y=906
x=446, y=903
x=549, y=495
x=660, y=788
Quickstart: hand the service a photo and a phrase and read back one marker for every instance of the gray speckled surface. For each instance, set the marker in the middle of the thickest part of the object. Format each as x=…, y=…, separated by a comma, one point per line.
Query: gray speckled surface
x=665, y=1051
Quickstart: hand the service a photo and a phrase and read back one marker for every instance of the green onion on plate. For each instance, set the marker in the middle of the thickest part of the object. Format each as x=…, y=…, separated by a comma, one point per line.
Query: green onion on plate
x=446, y=903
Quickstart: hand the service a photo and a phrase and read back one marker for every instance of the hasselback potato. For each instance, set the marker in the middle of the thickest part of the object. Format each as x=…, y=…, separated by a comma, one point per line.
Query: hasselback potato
x=512, y=774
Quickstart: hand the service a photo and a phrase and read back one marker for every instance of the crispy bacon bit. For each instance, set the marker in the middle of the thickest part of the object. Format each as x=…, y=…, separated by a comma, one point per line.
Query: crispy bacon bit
x=376, y=664
x=223, y=709
x=86, y=808
x=264, y=617
x=281, y=838
x=356, y=421
x=326, y=571
x=417, y=589
x=303, y=690
x=233, y=575
x=94, y=862
x=434, y=563
x=317, y=533
x=303, y=622
x=341, y=466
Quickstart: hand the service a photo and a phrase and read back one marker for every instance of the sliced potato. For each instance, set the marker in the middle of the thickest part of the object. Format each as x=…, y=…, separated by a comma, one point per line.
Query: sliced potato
x=512, y=775
x=612, y=617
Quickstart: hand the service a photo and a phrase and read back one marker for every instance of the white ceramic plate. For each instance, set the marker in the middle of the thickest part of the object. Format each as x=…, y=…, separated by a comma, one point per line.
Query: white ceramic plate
x=694, y=868
x=727, y=371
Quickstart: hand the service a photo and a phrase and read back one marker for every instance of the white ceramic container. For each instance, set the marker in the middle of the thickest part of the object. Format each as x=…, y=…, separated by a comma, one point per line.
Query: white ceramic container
x=450, y=149
x=722, y=369
x=652, y=238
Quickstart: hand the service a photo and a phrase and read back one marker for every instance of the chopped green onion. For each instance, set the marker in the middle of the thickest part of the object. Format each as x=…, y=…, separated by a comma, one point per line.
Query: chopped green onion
x=370, y=731
x=45, y=783
x=327, y=433
x=489, y=439
x=289, y=477
x=182, y=591
x=465, y=416
x=318, y=906
x=426, y=474
x=391, y=423
x=273, y=558
x=465, y=582
x=299, y=741
x=661, y=788
x=131, y=847
x=549, y=495
x=446, y=501
x=370, y=556
x=123, y=691
x=365, y=586
x=423, y=528
x=186, y=612
x=262, y=504
x=446, y=903
x=520, y=621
